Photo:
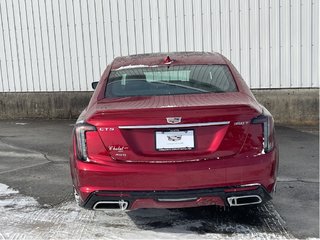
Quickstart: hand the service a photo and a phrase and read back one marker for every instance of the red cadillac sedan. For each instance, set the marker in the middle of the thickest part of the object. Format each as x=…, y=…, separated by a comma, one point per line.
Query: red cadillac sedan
x=173, y=131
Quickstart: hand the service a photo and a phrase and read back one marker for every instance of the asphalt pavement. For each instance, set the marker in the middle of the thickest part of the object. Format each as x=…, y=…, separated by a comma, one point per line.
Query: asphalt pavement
x=34, y=163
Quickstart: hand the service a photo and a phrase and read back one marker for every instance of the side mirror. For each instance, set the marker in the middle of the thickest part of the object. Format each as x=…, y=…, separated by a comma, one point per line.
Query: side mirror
x=94, y=85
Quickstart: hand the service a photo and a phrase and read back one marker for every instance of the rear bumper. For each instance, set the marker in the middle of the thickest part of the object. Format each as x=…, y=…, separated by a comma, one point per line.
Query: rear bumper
x=247, y=195
x=207, y=182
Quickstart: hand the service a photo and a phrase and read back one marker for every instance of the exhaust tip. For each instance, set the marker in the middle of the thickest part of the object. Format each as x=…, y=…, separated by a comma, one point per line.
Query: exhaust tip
x=244, y=200
x=111, y=205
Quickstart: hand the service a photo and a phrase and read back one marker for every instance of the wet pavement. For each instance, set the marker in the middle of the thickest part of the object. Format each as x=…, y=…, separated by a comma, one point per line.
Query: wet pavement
x=36, y=194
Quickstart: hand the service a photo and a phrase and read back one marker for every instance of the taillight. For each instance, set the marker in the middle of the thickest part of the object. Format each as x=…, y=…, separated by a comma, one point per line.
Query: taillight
x=81, y=141
x=267, y=123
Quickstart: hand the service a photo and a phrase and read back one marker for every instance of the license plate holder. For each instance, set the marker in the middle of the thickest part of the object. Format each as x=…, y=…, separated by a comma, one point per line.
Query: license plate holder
x=174, y=140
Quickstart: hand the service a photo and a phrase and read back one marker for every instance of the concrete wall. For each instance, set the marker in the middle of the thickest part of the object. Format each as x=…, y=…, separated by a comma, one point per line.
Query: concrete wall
x=60, y=105
x=291, y=106
x=288, y=106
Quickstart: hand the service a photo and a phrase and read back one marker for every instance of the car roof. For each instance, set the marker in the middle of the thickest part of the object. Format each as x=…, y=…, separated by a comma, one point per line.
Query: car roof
x=178, y=58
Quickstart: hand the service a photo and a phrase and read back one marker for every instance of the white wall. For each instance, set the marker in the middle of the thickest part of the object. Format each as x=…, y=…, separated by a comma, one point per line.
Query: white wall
x=63, y=45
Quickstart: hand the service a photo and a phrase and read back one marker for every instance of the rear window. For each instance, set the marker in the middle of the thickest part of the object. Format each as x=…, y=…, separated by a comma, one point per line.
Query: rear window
x=173, y=80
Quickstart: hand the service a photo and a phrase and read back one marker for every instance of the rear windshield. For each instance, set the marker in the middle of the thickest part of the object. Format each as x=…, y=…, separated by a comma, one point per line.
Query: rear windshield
x=173, y=80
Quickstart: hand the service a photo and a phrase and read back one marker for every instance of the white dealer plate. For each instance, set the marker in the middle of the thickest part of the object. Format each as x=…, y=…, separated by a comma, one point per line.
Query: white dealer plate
x=174, y=140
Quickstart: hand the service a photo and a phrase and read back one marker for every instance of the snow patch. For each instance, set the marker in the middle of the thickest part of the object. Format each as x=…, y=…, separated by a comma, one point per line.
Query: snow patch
x=5, y=190
x=23, y=218
x=10, y=199
x=21, y=123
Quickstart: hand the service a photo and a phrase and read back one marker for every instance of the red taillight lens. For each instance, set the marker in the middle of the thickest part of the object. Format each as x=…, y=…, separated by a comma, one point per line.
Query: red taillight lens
x=81, y=141
x=267, y=123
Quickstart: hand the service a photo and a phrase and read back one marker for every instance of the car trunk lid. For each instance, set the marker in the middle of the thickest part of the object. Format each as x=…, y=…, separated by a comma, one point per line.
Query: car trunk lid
x=162, y=129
